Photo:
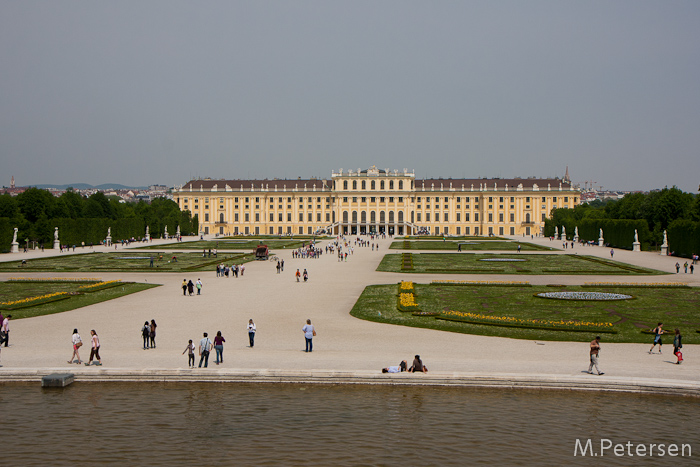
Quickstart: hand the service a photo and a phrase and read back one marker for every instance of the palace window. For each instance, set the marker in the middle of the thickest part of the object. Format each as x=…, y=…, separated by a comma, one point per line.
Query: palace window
x=391, y=199
x=206, y=217
x=381, y=185
x=235, y=217
x=257, y=217
x=490, y=217
x=458, y=217
x=364, y=185
x=391, y=184
x=373, y=199
x=476, y=217
x=427, y=217
x=400, y=184
x=372, y=185
x=417, y=217
x=345, y=185
x=512, y=217
x=289, y=217
x=247, y=217
x=301, y=217
x=354, y=184
x=272, y=217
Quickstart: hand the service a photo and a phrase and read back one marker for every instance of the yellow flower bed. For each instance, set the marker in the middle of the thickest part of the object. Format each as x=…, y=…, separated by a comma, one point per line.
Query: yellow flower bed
x=407, y=300
x=528, y=323
x=86, y=288
x=31, y=300
x=406, y=285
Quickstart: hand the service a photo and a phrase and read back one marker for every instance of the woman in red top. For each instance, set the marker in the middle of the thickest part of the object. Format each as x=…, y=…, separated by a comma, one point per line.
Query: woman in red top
x=219, y=347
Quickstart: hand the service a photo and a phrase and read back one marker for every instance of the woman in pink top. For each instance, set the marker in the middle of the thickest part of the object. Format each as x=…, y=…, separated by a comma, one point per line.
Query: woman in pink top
x=95, y=351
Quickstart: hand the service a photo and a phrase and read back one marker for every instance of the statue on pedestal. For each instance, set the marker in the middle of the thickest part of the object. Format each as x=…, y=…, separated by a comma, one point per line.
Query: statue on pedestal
x=636, y=236
x=636, y=246
x=563, y=232
x=55, y=234
x=665, y=243
x=14, y=247
x=556, y=232
x=165, y=235
x=664, y=246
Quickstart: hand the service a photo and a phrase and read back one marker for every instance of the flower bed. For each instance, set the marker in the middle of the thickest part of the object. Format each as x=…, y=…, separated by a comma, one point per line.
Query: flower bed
x=593, y=296
x=508, y=321
x=426, y=313
x=33, y=301
x=406, y=261
x=406, y=287
x=492, y=283
x=99, y=286
x=407, y=302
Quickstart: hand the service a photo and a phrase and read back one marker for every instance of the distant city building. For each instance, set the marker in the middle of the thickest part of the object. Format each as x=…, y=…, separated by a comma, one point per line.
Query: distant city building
x=375, y=200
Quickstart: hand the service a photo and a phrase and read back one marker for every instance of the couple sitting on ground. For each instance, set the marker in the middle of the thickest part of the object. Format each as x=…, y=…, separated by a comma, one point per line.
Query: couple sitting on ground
x=417, y=367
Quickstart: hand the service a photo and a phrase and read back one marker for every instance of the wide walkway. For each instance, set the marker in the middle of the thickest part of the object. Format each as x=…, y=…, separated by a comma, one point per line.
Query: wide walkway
x=344, y=345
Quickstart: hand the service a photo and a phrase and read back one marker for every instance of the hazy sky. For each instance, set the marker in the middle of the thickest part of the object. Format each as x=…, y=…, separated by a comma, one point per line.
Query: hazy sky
x=142, y=92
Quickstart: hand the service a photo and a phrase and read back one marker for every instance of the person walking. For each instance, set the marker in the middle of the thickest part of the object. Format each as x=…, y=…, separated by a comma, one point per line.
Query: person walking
x=685, y=265
x=184, y=287
x=306, y=275
x=658, y=331
x=219, y=347
x=190, y=354
x=282, y=265
x=146, y=333
x=309, y=333
x=612, y=252
x=190, y=287
x=95, y=350
x=677, y=346
x=678, y=267
x=204, y=349
x=77, y=343
x=5, y=330
x=297, y=275
x=278, y=267
x=595, y=351
x=199, y=286
x=152, y=334
x=251, y=332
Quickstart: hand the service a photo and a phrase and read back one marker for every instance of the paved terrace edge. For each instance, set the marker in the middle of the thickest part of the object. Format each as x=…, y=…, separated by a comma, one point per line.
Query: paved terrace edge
x=507, y=381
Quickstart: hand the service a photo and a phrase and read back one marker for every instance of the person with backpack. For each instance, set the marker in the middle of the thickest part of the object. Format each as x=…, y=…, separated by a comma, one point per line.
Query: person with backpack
x=146, y=333
x=205, y=346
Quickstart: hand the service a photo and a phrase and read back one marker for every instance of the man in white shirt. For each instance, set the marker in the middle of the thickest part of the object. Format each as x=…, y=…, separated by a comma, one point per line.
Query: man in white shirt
x=205, y=346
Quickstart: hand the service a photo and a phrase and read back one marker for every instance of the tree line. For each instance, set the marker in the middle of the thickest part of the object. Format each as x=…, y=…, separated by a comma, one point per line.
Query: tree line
x=651, y=214
x=37, y=212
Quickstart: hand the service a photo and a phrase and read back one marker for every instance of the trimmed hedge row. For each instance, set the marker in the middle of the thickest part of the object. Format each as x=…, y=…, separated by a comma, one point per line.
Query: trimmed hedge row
x=618, y=233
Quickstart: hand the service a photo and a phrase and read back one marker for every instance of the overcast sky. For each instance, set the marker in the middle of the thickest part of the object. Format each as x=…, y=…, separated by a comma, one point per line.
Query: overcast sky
x=144, y=92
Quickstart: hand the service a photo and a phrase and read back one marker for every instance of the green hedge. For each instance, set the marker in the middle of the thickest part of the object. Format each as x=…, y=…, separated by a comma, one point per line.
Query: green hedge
x=618, y=233
x=684, y=238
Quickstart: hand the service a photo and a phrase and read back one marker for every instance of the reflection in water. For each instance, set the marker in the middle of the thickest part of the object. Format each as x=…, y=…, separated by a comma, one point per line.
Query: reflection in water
x=294, y=424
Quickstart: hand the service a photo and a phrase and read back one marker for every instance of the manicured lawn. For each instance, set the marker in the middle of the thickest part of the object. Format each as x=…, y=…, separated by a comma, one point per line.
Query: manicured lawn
x=675, y=307
x=230, y=244
x=467, y=245
x=126, y=260
x=16, y=291
x=471, y=263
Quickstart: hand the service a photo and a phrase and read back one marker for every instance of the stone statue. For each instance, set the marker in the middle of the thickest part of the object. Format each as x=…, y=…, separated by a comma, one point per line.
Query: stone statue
x=146, y=231
x=556, y=232
x=166, y=231
x=600, y=234
x=576, y=232
x=109, y=231
x=14, y=236
x=177, y=234
x=563, y=232
x=665, y=239
x=55, y=234
x=636, y=236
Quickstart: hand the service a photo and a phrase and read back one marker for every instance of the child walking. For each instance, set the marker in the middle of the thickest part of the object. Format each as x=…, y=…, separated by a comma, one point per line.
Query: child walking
x=190, y=353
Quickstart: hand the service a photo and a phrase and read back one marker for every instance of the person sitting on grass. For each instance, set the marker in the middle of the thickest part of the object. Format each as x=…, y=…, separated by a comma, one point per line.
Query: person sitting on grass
x=396, y=369
x=418, y=366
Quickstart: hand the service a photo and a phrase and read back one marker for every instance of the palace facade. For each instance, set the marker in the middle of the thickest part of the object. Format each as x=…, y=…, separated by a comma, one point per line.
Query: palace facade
x=375, y=200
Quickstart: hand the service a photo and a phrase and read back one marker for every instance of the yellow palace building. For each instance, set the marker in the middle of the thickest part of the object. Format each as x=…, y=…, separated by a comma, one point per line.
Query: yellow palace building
x=375, y=200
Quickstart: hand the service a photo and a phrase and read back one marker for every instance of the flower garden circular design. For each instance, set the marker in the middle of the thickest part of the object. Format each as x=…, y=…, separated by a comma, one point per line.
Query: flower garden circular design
x=503, y=260
x=584, y=296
